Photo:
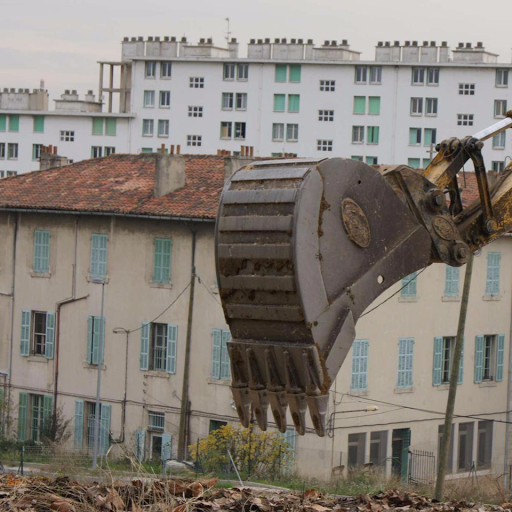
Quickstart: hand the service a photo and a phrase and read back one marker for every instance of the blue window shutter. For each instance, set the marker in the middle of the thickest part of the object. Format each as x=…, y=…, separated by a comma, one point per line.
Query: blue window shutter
x=166, y=447
x=50, y=336
x=79, y=424
x=359, y=365
x=216, y=349
x=98, y=255
x=225, y=370
x=500, y=357
x=144, y=346
x=89, y=340
x=172, y=341
x=102, y=339
x=22, y=416
x=25, y=333
x=41, y=251
x=492, y=285
x=479, y=358
x=104, y=428
x=162, y=260
x=409, y=285
x=451, y=287
x=405, y=362
x=437, y=374
x=140, y=444
x=47, y=410
x=461, y=366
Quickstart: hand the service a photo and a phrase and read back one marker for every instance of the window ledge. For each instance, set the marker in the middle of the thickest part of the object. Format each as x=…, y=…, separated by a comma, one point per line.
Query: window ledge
x=45, y=275
x=90, y=366
x=166, y=286
x=90, y=278
x=399, y=391
x=450, y=298
x=155, y=373
x=362, y=392
x=37, y=359
x=491, y=297
x=443, y=387
x=487, y=384
x=408, y=299
x=219, y=382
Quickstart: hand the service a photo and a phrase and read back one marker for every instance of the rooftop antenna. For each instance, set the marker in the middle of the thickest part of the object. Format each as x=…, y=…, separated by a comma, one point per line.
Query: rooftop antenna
x=228, y=32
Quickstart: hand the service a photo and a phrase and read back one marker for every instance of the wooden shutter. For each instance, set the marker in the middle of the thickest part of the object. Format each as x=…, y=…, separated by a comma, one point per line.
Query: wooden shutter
x=22, y=416
x=47, y=412
x=479, y=358
x=500, y=357
x=374, y=105
x=140, y=444
x=89, y=340
x=216, y=351
x=162, y=260
x=97, y=125
x=409, y=285
x=295, y=72
x=172, y=340
x=437, y=374
x=492, y=285
x=25, y=333
x=405, y=360
x=144, y=346
x=166, y=447
x=451, y=285
x=41, y=251
x=225, y=370
x=111, y=126
x=281, y=72
x=39, y=124
x=50, y=336
x=79, y=424
x=98, y=255
x=104, y=428
x=461, y=365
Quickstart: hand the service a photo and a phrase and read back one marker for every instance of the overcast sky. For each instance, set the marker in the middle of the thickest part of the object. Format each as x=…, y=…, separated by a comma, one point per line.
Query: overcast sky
x=61, y=40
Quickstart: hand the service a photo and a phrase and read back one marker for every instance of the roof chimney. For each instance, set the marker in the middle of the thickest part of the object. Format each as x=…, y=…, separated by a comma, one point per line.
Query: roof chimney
x=169, y=174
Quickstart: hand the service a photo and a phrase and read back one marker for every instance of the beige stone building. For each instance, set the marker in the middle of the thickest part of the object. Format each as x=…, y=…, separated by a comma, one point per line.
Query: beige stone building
x=144, y=226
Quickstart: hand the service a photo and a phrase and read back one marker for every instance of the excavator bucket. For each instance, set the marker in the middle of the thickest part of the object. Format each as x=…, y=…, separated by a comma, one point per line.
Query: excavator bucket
x=303, y=247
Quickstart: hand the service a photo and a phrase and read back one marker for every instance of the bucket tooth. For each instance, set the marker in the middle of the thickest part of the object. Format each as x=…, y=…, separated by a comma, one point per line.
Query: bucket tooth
x=298, y=408
x=318, y=409
x=243, y=404
x=278, y=405
x=259, y=400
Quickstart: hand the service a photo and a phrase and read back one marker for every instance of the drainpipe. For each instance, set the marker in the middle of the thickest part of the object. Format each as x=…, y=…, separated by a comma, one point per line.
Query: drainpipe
x=120, y=439
x=182, y=436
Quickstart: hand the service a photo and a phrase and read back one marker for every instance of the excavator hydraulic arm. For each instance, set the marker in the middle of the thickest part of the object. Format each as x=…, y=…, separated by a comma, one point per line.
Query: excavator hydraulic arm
x=303, y=247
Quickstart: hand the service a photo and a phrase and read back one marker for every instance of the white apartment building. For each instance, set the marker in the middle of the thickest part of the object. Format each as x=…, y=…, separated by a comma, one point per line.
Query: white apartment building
x=284, y=97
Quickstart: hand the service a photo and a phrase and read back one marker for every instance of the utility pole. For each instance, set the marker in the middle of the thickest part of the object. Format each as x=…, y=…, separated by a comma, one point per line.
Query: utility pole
x=454, y=375
x=431, y=150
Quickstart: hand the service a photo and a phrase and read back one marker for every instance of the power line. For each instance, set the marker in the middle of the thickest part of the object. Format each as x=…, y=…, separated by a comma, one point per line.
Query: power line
x=209, y=291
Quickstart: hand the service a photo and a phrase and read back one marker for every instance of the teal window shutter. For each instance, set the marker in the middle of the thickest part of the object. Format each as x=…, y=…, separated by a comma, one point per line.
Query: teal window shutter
x=39, y=124
x=451, y=283
x=405, y=361
x=162, y=260
x=359, y=365
x=225, y=370
x=3, y=122
x=79, y=424
x=14, y=123
x=281, y=72
x=47, y=412
x=373, y=135
x=97, y=125
x=437, y=374
x=409, y=285
x=95, y=337
x=41, y=251
x=166, y=447
x=461, y=365
x=279, y=102
x=430, y=136
x=25, y=333
x=144, y=346
x=104, y=428
x=111, y=126
x=293, y=102
x=140, y=445
x=374, y=105
x=500, y=357
x=295, y=72
x=22, y=416
x=172, y=341
x=89, y=340
x=414, y=163
x=492, y=285
x=359, y=104
x=216, y=350
x=479, y=358
x=98, y=255
x=50, y=336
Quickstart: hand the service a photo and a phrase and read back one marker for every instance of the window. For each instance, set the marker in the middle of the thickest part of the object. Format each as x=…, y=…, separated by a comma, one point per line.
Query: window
x=149, y=99
x=196, y=82
x=156, y=421
x=39, y=124
x=163, y=128
x=502, y=78
x=373, y=135
x=278, y=131
x=293, y=102
x=109, y=150
x=229, y=71
x=95, y=339
x=280, y=73
x=405, y=358
x=3, y=122
x=414, y=136
x=165, y=99
x=326, y=115
x=96, y=152
x=150, y=70
x=415, y=163
x=216, y=424
x=324, y=145
x=492, y=283
x=374, y=105
x=371, y=160
x=357, y=158
x=292, y=132
x=426, y=162
x=34, y=416
x=375, y=75
x=489, y=357
x=195, y=111
x=361, y=74
x=220, y=359
x=85, y=424
x=359, y=365
x=409, y=286
x=41, y=251
x=162, y=260
x=465, y=452
x=418, y=76
x=279, y=102
x=433, y=76
x=226, y=131
x=467, y=89
x=449, y=464
x=158, y=347
x=37, y=333
x=284, y=72
x=484, y=444
x=146, y=150
x=242, y=72
x=97, y=125
x=356, y=449
x=36, y=151
x=444, y=349
x=327, y=85
x=357, y=134
x=2, y=149
x=416, y=106
x=194, y=140
x=67, y=136
x=430, y=136
x=465, y=119
x=110, y=125
x=378, y=448
x=359, y=104
x=451, y=281
x=500, y=108
x=165, y=69
x=498, y=166
x=295, y=72
x=98, y=266
x=148, y=127
x=241, y=101
x=240, y=130
x=431, y=106
x=499, y=141
x=14, y=123
x=11, y=173
x=227, y=101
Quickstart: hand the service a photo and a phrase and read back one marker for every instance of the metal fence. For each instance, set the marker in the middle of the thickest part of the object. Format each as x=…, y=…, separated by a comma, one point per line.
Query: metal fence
x=422, y=467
